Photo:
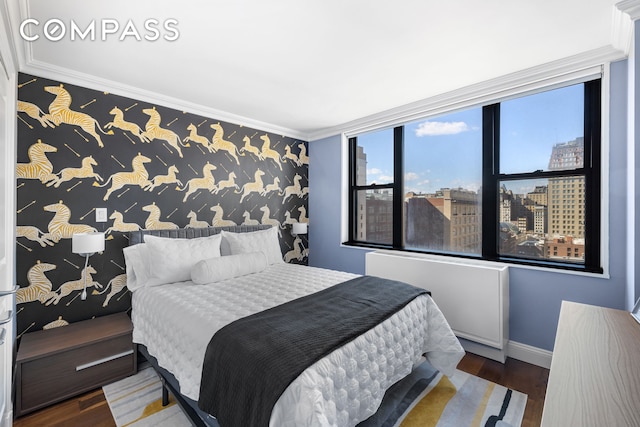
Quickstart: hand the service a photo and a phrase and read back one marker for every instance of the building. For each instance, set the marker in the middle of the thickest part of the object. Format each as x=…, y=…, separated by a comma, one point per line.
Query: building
x=566, y=215
x=540, y=219
x=376, y=214
x=539, y=195
x=565, y=248
x=446, y=220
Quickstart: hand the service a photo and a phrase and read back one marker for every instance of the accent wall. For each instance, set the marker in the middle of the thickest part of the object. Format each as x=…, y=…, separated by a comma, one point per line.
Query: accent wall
x=151, y=167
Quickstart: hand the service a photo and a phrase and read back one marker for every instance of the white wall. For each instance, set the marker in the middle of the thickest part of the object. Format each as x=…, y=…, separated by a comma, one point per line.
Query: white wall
x=7, y=214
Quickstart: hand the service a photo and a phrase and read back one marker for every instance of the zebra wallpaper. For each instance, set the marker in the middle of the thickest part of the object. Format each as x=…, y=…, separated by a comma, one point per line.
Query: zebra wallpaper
x=151, y=167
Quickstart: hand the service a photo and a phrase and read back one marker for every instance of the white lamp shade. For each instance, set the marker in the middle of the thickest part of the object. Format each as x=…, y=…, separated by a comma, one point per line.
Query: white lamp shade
x=299, y=228
x=87, y=243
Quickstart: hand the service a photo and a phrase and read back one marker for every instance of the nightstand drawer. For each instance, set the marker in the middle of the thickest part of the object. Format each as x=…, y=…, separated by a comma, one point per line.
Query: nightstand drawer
x=70, y=372
x=57, y=364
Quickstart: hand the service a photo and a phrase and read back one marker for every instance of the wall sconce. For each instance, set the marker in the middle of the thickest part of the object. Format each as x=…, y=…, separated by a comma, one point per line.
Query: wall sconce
x=86, y=244
x=299, y=228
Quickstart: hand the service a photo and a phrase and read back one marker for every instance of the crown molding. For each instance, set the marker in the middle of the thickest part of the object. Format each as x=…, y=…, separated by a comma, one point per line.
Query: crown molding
x=630, y=7
x=17, y=11
x=49, y=71
x=621, y=29
x=563, y=70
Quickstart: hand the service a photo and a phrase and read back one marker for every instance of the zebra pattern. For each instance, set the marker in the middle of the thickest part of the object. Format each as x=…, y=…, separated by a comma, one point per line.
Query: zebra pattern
x=34, y=112
x=153, y=220
x=117, y=284
x=59, y=226
x=194, y=222
x=39, y=285
x=198, y=139
x=218, y=217
x=169, y=178
x=120, y=225
x=59, y=112
x=56, y=323
x=73, y=285
x=67, y=174
x=34, y=234
x=153, y=130
x=138, y=176
x=298, y=252
x=207, y=182
x=39, y=166
x=219, y=143
x=120, y=123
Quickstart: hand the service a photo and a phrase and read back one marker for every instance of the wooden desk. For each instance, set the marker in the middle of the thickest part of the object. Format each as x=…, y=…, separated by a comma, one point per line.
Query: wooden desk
x=595, y=370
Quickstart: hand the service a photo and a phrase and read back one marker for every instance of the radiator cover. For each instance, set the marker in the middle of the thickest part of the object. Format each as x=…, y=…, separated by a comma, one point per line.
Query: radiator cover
x=474, y=297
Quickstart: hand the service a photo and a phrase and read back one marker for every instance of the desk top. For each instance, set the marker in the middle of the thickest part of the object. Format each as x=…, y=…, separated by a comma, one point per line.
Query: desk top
x=595, y=369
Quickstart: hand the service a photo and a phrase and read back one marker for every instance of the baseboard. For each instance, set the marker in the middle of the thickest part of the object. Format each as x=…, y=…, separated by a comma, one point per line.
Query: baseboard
x=515, y=350
x=483, y=350
x=529, y=354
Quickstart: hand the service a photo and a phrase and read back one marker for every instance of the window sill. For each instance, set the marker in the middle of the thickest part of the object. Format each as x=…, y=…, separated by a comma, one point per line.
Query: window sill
x=510, y=262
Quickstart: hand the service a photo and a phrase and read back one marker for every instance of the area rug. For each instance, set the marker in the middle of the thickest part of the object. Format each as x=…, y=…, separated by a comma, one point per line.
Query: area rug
x=136, y=401
x=425, y=398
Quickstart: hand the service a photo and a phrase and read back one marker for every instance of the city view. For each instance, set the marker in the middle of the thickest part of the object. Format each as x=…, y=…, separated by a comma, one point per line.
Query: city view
x=538, y=218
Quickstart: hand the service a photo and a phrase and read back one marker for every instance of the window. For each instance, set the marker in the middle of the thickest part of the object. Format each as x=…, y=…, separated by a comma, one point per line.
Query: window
x=515, y=181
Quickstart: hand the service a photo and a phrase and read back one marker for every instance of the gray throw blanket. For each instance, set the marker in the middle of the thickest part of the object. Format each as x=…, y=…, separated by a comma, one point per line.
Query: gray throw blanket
x=250, y=362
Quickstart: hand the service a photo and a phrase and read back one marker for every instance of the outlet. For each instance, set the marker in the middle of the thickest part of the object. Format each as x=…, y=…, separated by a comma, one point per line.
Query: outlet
x=101, y=214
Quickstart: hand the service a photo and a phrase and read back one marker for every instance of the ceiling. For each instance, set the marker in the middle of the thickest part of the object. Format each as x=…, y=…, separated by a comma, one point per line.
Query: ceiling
x=305, y=67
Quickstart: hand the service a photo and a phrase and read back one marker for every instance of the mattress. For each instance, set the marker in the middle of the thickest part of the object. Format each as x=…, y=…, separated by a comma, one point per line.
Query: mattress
x=176, y=322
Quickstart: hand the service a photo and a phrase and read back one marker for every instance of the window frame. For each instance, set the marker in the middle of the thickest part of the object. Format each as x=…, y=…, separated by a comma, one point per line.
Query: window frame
x=591, y=170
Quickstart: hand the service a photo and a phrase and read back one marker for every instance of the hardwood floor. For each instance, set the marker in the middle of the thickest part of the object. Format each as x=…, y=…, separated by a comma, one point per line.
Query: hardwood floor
x=88, y=409
x=91, y=409
x=514, y=374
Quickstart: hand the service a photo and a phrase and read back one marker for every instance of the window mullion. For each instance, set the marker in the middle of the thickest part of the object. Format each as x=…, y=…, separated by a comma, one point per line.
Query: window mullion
x=490, y=170
x=592, y=153
x=398, y=184
x=352, y=192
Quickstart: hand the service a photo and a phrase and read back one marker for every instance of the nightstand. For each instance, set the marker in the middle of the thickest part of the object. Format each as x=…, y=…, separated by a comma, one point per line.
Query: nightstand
x=55, y=364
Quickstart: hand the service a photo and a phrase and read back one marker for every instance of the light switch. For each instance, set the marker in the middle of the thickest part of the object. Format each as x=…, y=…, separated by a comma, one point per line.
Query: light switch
x=101, y=214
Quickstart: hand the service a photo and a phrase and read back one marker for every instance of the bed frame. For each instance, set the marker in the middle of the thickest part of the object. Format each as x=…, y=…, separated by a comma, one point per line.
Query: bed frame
x=136, y=237
x=169, y=383
x=198, y=417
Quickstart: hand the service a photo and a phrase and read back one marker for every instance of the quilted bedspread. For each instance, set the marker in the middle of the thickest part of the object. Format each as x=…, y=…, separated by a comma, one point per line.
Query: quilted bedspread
x=175, y=322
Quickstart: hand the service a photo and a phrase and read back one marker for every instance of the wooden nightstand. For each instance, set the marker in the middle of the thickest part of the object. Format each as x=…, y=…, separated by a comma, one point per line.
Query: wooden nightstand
x=55, y=364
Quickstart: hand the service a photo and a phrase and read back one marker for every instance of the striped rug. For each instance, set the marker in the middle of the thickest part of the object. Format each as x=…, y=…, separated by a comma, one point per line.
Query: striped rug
x=136, y=401
x=425, y=398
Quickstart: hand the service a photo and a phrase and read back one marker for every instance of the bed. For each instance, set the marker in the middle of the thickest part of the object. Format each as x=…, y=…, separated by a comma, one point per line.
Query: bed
x=176, y=318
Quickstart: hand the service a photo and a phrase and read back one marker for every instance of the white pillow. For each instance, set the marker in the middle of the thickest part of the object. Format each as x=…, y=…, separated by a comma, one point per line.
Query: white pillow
x=136, y=263
x=227, y=267
x=265, y=241
x=171, y=260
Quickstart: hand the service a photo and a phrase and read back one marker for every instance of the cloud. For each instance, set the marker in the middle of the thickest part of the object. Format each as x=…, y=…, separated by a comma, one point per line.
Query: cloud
x=411, y=176
x=373, y=171
x=429, y=128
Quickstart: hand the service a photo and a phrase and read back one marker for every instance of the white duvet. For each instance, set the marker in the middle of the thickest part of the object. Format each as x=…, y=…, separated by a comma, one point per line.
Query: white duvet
x=176, y=321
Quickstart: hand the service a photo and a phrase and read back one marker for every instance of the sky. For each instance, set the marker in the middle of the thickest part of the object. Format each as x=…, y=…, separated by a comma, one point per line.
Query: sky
x=446, y=151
